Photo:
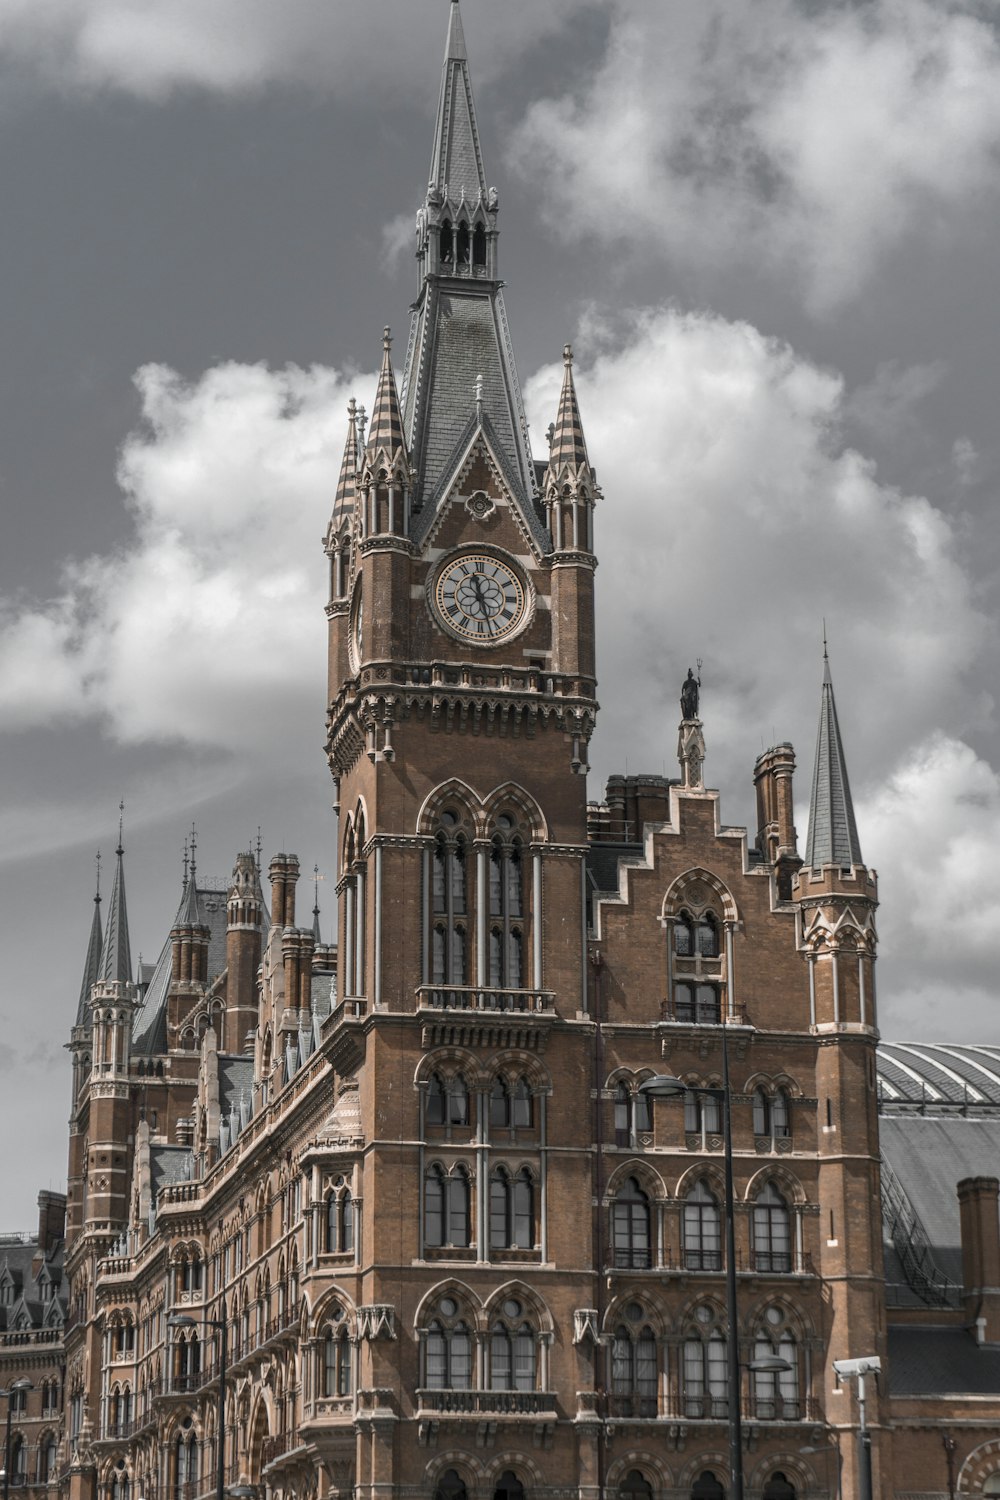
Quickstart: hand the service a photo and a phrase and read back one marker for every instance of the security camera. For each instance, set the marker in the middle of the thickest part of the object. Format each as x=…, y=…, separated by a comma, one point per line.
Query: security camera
x=870, y=1364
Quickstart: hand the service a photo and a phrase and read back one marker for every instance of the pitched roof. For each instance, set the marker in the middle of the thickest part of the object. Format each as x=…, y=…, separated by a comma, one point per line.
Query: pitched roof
x=941, y=1362
x=92, y=964
x=116, y=957
x=343, y=504
x=833, y=833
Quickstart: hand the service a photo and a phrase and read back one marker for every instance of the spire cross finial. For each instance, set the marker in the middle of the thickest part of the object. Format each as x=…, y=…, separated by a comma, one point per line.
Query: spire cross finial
x=825, y=654
x=97, y=861
x=185, y=861
x=121, y=826
x=194, y=848
x=317, y=877
x=259, y=846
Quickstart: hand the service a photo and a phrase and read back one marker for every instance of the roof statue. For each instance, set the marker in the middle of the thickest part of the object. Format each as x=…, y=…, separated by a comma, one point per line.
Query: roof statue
x=833, y=833
x=689, y=694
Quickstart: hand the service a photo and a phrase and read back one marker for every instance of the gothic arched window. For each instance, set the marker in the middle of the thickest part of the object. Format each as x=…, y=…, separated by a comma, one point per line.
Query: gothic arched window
x=512, y=1210
x=448, y=1355
x=451, y=1486
x=479, y=246
x=446, y=1207
x=631, y=1226
x=779, y=1488
x=705, y=1375
x=513, y=1357
x=702, y=1114
x=635, y=1487
x=707, y=936
x=634, y=1366
x=449, y=905
x=337, y=1358
x=772, y=1231
x=771, y=1114
x=707, y=1487
x=506, y=908
x=684, y=935
x=776, y=1392
x=702, y=1229
x=447, y=243
x=447, y=1100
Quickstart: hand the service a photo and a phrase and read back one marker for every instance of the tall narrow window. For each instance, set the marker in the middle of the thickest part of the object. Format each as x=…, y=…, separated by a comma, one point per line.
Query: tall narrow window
x=702, y=1114
x=704, y=1371
x=449, y=905
x=506, y=909
x=702, y=1230
x=346, y=1223
x=630, y=1227
x=707, y=936
x=684, y=936
x=772, y=1231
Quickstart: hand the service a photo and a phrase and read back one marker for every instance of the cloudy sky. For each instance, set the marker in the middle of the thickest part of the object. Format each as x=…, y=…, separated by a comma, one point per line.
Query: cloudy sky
x=770, y=232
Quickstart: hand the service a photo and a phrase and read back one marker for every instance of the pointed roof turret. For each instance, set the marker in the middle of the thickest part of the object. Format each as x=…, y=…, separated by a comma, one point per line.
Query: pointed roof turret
x=456, y=158
x=343, y=504
x=116, y=958
x=833, y=833
x=569, y=446
x=92, y=964
x=385, y=435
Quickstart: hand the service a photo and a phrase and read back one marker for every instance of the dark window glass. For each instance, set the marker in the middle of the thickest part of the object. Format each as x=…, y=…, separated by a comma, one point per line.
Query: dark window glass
x=702, y=1230
x=683, y=936
x=772, y=1231
x=708, y=936
x=630, y=1226
x=521, y=1105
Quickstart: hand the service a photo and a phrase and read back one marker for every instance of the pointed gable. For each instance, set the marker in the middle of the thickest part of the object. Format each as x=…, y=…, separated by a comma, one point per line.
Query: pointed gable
x=833, y=834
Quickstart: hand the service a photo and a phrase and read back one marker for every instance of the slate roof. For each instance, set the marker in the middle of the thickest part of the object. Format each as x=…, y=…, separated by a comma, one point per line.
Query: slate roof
x=833, y=833
x=17, y=1254
x=116, y=957
x=167, y=1165
x=456, y=157
x=92, y=965
x=386, y=431
x=941, y=1362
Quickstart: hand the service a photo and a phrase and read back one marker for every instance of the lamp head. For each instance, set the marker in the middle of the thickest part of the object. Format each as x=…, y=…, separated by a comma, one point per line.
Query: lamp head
x=181, y=1320
x=662, y=1086
x=772, y=1364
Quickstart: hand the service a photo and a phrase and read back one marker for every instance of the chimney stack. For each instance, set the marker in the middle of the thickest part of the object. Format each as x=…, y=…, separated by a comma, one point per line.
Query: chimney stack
x=979, y=1208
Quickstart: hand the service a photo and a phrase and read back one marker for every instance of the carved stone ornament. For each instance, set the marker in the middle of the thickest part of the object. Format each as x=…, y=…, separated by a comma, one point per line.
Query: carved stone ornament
x=480, y=506
x=377, y=1321
x=585, y=1324
x=691, y=752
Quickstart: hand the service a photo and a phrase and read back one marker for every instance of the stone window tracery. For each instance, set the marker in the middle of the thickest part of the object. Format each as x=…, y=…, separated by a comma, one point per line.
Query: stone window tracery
x=634, y=1365
x=704, y=1372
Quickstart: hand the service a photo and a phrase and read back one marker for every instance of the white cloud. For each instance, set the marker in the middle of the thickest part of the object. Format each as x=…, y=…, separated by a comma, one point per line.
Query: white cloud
x=152, y=47
x=802, y=139
x=203, y=630
x=932, y=829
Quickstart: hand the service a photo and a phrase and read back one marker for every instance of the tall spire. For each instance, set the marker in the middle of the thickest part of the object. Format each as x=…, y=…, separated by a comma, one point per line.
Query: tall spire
x=116, y=958
x=568, y=447
x=92, y=964
x=459, y=329
x=456, y=158
x=833, y=833
x=343, y=505
x=191, y=914
x=385, y=435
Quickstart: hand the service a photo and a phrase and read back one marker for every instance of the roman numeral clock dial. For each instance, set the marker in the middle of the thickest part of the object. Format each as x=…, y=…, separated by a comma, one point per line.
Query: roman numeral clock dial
x=480, y=597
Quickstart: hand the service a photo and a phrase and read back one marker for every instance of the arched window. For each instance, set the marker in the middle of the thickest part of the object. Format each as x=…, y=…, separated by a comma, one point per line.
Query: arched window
x=18, y=1460
x=513, y=1357
x=479, y=246
x=779, y=1488
x=512, y=1210
x=185, y=1463
x=451, y=1486
x=337, y=1359
x=707, y=1487
x=346, y=1222
x=447, y=1101
x=630, y=1226
x=634, y=1366
x=330, y=1243
x=120, y=1484
x=509, y=1487
x=702, y=1229
x=510, y=1103
x=776, y=1392
x=772, y=1231
x=449, y=906
x=50, y=1452
x=462, y=253
x=446, y=1207
x=448, y=1356
x=771, y=1114
x=697, y=1004
x=506, y=908
x=705, y=1375
x=447, y=243
x=684, y=936
x=702, y=1113
x=635, y=1487
x=633, y=1114
x=707, y=936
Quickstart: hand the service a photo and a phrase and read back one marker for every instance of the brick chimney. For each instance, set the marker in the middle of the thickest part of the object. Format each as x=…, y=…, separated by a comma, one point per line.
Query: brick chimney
x=979, y=1209
x=51, y=1220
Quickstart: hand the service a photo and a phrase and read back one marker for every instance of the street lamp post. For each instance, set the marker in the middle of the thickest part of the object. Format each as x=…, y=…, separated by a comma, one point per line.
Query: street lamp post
x=857, y=1369
x=184, y=1320
x=17, y=1385
x=665, y=1087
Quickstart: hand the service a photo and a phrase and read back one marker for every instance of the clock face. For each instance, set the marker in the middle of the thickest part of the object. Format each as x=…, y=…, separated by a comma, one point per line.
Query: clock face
x=480, y=597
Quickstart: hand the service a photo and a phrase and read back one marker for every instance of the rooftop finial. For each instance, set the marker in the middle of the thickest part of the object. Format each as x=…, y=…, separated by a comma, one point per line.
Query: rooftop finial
x=317, y=877
x=386, y=339
x=259, y=846
x=193, y=841
x=567, y=354
x=97, y=861
x=121, y=827
x=479, y=394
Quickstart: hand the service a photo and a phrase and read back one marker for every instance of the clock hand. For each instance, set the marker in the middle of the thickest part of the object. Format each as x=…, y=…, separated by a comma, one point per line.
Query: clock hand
x=477, y=585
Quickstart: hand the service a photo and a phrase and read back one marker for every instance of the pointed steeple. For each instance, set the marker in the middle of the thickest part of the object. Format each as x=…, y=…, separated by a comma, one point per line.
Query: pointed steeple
x=92, y=964
x=459, y=327
x=385, y=435
x=116, y=957
x=456, y=158
x=568, y=446
x=347, y=484
x=315, y=927
x=833, y=833
x=191, y=914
